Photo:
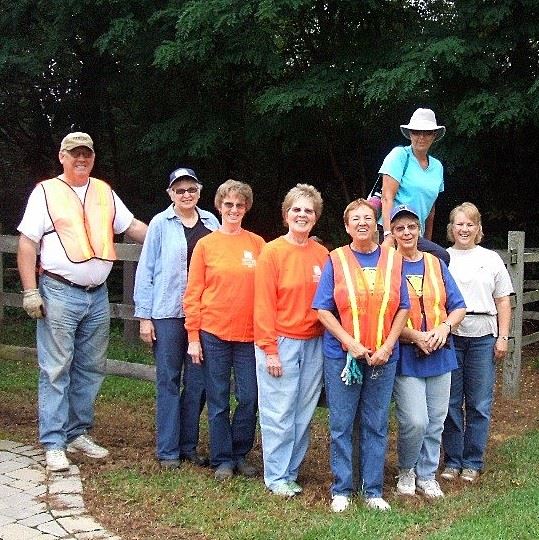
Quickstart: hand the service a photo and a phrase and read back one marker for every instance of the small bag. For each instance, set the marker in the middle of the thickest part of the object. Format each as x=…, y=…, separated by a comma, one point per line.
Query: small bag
x=375, y=196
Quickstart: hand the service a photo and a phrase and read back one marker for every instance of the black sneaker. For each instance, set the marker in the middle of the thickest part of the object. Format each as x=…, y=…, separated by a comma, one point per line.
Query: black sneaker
x=169, y=464
x=195, y=459
x=245, y=469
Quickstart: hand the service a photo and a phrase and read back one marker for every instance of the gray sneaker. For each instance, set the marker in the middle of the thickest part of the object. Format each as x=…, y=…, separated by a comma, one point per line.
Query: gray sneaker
x=224, y=472
x=243, y=468
x=430, y=489
x=406, y=483
x=469, y=475
x=86, y=445
x=449, y=473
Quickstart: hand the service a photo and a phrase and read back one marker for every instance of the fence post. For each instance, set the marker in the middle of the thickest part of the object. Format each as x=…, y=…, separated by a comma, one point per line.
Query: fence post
x=128, y=283
x=1, y=280
x=515, y=267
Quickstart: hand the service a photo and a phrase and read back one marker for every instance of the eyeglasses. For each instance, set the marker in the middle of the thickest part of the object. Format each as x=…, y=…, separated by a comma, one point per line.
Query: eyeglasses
x=230, y=205
x=424, y=133
x=81, y=151
x=298, y=210
x=181, y=191
x=399, y=229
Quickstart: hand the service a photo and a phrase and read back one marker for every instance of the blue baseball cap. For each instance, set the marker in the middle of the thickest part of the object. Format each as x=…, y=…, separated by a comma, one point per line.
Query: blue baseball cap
x=402, y=209
x=180, y=173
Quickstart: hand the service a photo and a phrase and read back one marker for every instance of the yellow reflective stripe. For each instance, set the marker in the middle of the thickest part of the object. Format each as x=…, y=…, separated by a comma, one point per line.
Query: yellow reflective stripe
x=429, y=259
x=351, y=292
x=385, y=299
x=102, y=195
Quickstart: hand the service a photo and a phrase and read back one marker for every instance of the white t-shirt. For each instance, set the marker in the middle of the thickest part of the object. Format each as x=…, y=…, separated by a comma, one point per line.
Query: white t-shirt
x=36, y=222
x=481, y=277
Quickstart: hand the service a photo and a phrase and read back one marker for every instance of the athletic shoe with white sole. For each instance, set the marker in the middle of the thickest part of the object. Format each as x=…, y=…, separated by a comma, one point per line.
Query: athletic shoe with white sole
x=340, y=503
x=449, y=473
x=377, y=503
x=56, y=460
x=85, y=444
x=469, y=475
x=429, y=488
x=283, y=490
x=295, y=487
x=406, y=483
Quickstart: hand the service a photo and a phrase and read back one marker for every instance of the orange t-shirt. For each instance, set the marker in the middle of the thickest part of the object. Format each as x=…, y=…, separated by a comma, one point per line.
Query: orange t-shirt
x=286, y=278
x=220, y=287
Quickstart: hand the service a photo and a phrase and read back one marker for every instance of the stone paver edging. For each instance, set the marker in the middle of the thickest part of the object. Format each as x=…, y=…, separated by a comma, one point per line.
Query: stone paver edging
x=37, y=505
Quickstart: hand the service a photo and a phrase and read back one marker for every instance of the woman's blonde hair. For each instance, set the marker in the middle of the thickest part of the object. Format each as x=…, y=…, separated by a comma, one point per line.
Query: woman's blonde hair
x=302, y=190
x=472, y=213
x=355, y=205
x=234, y=186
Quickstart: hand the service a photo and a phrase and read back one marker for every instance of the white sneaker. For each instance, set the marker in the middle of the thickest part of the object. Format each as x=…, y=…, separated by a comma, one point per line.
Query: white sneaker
x=377, y=503
x=85, y=444
x=56, y=460
x=282, y=489
x=340, y=503
x=429, y=488
x=406, y=483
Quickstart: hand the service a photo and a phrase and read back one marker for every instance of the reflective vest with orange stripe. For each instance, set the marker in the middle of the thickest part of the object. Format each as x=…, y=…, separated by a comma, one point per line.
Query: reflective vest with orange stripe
x=367, y=312
x=84, y=229
x=433, y=297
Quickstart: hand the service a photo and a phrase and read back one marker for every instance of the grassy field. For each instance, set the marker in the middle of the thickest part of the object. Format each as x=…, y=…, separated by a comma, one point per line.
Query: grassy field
x=132, y=496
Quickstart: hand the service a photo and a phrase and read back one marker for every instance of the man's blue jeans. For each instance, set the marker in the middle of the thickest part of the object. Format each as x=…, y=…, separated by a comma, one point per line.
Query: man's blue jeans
x=472, y=384
x=177, y=417
x=421, y=410
x=72, y=343
x=370, y=401
x=286, y=406
x=230, y=439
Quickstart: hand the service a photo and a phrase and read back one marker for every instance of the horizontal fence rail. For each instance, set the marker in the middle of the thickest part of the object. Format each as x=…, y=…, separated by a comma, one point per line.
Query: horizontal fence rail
x=515, y=258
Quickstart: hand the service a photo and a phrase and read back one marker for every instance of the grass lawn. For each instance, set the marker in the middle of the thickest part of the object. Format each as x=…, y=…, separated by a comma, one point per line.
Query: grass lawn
x=130, y=494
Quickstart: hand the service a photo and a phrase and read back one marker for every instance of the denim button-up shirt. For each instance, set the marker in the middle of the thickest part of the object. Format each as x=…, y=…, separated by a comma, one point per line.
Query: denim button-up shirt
x=161, y=276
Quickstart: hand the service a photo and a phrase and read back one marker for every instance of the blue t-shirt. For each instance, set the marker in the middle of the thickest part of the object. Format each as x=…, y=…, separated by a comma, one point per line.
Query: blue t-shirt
x=323, y=299
x=418, y=188
x=411, y=363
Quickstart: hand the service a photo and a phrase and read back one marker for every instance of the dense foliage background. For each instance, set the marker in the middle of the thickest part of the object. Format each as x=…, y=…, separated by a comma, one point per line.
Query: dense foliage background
x=273, y=92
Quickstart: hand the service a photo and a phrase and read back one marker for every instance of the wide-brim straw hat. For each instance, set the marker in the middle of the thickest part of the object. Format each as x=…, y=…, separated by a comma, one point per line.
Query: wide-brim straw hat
x=423, y=120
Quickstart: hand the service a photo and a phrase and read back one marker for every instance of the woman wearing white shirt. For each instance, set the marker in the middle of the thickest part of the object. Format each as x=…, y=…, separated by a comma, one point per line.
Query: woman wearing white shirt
x=480, y=340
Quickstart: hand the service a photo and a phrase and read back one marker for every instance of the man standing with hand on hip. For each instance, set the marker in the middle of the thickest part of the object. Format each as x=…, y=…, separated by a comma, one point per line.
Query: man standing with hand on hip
x=72, y=219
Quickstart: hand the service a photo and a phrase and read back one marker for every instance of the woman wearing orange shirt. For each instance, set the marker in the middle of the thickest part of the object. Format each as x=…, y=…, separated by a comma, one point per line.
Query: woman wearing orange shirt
x=218, y=305
x=288, y=340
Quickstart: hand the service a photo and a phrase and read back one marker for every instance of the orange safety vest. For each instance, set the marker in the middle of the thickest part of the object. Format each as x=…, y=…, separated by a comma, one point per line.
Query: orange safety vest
x=367, y=312
x=84, y=229
x=433, y=297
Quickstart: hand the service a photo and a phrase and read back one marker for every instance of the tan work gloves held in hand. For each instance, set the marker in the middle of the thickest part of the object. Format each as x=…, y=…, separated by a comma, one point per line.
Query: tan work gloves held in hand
x=33, y=303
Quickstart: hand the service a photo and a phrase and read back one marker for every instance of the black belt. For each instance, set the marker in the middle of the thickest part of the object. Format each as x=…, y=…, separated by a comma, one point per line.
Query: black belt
x=61, y=279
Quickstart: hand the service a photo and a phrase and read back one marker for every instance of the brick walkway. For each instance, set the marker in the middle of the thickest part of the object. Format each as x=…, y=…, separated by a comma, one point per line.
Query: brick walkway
x=36, y=505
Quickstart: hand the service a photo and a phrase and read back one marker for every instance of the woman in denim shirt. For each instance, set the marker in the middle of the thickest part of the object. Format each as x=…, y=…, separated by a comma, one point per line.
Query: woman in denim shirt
x=160, y=284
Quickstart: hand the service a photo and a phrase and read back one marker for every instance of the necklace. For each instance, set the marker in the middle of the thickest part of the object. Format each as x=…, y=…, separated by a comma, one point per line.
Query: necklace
x=368, y=252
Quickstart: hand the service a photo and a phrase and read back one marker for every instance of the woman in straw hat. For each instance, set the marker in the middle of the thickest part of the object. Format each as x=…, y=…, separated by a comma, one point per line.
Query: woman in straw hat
x=413, y=177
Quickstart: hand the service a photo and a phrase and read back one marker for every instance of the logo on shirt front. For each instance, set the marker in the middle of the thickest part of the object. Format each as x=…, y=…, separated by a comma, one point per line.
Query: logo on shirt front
x=317, y=272
x=248, y=259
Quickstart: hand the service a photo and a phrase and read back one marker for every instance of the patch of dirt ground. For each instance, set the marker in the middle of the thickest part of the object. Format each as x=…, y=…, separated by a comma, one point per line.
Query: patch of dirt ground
x=128, y=431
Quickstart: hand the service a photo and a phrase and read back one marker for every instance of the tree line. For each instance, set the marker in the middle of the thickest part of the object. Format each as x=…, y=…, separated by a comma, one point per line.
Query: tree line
x=273, y=92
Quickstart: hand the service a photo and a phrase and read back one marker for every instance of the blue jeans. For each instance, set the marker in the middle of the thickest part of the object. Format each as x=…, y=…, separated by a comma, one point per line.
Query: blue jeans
x=230, y=439
x=177, y=417
x=472, y=385
x=421, y=410
x=72, y=343
x=370, y=401
x=286, y=406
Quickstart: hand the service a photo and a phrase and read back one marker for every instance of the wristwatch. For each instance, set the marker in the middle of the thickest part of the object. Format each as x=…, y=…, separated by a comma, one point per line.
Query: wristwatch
x=448, y=324
x=505, y=338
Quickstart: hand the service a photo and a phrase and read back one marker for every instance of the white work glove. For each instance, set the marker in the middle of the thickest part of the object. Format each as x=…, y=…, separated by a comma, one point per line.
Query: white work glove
x=33, y=303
